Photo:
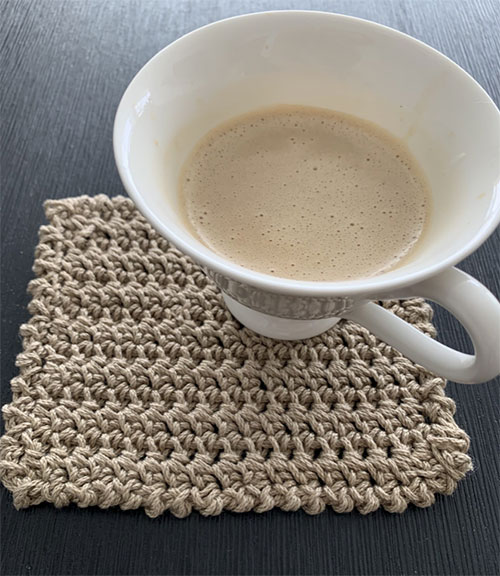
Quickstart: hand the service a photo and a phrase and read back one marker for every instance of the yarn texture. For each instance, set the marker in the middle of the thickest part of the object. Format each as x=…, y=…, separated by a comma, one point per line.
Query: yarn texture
x=137, y=388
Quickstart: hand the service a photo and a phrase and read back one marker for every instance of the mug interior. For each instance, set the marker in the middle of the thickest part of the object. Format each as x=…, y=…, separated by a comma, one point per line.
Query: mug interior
x=310, y=58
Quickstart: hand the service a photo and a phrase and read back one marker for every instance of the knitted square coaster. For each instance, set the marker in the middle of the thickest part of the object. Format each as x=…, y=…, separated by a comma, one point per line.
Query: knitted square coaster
x=137, y=388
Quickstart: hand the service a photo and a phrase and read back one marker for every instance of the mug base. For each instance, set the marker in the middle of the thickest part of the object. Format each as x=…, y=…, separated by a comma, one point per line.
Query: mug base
x=275, y=327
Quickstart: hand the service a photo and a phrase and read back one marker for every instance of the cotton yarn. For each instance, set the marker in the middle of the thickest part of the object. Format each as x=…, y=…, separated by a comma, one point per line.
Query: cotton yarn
x=137, y=388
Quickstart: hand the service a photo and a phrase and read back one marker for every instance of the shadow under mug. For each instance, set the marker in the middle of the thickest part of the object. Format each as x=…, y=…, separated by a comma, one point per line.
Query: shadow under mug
x=351, y=65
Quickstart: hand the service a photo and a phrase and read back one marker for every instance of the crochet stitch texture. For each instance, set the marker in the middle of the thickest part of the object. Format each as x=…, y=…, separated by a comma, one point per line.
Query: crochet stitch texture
x=137, y=388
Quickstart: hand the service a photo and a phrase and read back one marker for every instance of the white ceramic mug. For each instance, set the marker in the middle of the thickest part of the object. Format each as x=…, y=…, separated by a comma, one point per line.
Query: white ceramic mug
x=319, y=59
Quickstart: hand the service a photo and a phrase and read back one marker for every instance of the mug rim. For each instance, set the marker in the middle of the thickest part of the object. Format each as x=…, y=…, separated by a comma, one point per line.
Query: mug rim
x=208, y=258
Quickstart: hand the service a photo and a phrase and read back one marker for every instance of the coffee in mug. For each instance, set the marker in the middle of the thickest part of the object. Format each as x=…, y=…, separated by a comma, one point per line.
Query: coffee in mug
x=305, y=193
x=373, y=73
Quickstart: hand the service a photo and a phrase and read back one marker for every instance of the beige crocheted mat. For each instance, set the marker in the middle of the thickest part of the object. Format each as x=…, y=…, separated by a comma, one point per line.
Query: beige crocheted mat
x=137, y=388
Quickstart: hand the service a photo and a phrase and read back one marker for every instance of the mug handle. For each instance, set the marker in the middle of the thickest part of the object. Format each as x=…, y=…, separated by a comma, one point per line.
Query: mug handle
x=469, y=301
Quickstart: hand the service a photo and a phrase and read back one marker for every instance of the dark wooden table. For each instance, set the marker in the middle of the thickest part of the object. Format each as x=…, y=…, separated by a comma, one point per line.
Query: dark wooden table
x=64, y=67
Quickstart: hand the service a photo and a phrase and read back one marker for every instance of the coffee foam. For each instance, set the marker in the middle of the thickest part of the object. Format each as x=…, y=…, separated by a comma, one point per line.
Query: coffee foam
x=305, y=193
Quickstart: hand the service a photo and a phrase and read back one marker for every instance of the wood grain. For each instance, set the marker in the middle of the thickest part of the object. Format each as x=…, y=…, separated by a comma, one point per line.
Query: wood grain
x=64, y=66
